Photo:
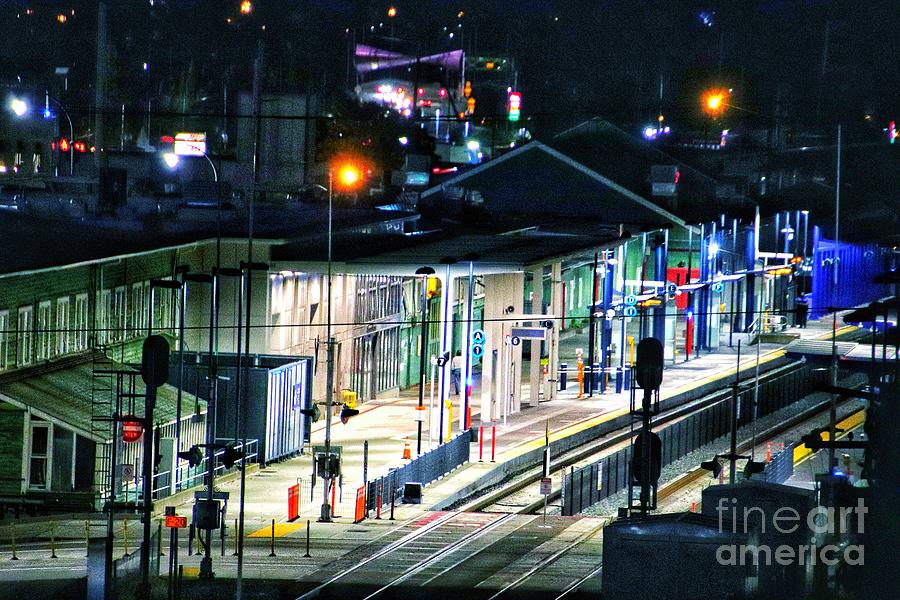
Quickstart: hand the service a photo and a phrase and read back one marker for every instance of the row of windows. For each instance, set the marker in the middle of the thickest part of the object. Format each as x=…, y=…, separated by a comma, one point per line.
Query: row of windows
x=377, y=297
x=56, y=327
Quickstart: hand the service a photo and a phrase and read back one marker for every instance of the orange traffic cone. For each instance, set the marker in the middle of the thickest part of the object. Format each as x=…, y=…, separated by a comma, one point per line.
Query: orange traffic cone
x=693, y=507
x=407, y=454
x=769, y=452
x=722, y=476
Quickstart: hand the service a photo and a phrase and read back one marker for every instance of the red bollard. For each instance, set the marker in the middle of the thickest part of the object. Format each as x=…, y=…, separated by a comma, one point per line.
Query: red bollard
x=481, y=444
x=333, y=512
x=493, y=441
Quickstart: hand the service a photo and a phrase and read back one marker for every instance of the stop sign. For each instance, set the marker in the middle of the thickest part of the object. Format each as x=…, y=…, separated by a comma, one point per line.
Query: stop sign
x=132, y=429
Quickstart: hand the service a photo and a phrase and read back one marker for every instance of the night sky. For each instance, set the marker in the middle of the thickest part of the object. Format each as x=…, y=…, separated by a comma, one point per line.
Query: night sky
x=603, y=57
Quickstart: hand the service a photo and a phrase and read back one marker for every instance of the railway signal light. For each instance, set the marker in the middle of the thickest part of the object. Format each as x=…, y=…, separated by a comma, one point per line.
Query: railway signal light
x=714, y=466
x=230, y=456
x=194, y=456
x=346, y=413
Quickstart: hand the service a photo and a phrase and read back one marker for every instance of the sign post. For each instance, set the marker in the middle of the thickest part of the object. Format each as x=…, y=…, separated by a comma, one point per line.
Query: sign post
x=546, y=489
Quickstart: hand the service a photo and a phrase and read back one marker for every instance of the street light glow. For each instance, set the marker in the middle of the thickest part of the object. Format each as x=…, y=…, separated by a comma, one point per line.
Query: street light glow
x=715, y=101
x=18, y=106
x=392, y=12
x=246, y=7
x=349, y=175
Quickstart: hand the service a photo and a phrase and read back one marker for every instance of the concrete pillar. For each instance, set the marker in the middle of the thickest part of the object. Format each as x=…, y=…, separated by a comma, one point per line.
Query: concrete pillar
x=556, y=308
x=501, y=291
x=445, y=375
x=537, y=304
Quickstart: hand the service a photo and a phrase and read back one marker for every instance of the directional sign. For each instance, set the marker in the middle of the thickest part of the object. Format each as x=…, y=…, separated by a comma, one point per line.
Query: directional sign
x=630, y=311
x=477, y=351
x=529, y=333
x=630, y=300
x=478, y=337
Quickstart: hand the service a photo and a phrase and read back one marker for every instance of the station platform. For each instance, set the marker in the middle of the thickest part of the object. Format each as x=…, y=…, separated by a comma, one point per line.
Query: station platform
x=388, y=424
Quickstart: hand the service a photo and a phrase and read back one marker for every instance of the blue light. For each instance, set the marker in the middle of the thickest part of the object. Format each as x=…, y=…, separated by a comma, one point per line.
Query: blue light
x=837, y=472
x=48, y=114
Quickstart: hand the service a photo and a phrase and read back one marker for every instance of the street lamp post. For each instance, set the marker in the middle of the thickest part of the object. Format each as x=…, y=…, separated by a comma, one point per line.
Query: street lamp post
x=19, y=107
x=423, y=350
x=349, y=177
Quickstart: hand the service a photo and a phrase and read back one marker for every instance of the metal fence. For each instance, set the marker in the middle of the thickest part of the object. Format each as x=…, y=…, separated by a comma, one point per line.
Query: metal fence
x=424, y=469
x=781, y=467
x=592, y=483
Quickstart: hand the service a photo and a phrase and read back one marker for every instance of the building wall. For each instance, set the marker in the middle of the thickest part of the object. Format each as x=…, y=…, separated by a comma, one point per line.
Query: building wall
x=11, y=441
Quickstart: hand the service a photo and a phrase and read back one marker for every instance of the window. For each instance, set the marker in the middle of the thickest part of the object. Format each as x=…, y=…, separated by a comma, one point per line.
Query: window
x=23, y=336
x=63, y=333
x=43, y=331
x=38, y=457
x=81, y=322
x=119, y=314
x=4, y=339
x=104, y=303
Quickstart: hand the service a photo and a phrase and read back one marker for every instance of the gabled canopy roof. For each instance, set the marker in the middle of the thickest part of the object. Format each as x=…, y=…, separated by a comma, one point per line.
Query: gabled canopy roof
x=538, y=180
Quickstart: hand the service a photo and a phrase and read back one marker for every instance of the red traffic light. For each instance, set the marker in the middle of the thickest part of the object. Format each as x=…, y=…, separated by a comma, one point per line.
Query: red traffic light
x=63, y=145
x=132, y=429
x=80, y=147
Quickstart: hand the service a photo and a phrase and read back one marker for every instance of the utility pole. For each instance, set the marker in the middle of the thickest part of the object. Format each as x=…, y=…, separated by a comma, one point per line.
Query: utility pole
x=423, y=351
x=325, y=515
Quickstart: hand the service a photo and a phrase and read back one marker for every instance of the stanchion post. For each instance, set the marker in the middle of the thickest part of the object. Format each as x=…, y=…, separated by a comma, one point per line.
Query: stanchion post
x=12, y=535
x=53, y=539
x=235, y=538
x=125, y=535
x=272, y=553
x=481, y=444
x=493, y=441
x=307, y=555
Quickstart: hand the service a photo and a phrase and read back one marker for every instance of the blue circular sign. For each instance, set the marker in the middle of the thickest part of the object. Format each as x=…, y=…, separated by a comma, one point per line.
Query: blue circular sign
x=477, y=351
x=630, y=300
x=630, y=311
x=718, y=287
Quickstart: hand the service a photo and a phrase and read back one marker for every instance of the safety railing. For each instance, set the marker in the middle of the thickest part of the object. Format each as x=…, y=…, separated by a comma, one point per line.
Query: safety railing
x=592, y=483
x=187, y=476
x=423, y=469
x=781, y=467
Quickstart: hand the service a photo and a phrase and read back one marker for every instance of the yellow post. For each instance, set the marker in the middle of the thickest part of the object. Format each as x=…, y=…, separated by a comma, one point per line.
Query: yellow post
x=631, y=350
x=449, y=419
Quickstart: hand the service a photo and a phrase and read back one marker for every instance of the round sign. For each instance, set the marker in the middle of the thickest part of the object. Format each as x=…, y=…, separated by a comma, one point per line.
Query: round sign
x=610, y=314
x=132, y=429
x=477, y=351
x=515, y=341
x=478, y=337
x=630, y=300
x=717, y=287
x=630, y=311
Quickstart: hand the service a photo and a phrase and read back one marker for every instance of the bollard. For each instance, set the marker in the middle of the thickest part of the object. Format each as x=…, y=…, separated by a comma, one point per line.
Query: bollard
x=307, y=555
x=563, y=380
x=493, y=441
x=53, y=539
x=596, y=381
x=481, y=445
x=619, y=380
x=272, y=553
x=12, y=533
x=768, y=451
x=627, y=377
x=125, y=535
x=87, y=536
x=333, y=511
x=393, y=496
x=235, y=538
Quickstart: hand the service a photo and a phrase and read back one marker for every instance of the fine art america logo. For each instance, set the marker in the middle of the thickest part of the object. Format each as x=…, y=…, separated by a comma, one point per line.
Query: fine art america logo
x=821, y=523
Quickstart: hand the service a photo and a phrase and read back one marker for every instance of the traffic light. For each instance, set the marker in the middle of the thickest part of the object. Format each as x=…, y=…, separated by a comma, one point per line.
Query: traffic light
x=346, y=413
x=313, y=413
x=194, y=456
x=514, y=106
x=230, y=456
x=714, y=466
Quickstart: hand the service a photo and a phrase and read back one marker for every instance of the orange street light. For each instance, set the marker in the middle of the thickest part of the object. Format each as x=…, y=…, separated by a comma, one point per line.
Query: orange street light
x=715, y=101
x=348, y=176
x=246, y=7
x=392, y=12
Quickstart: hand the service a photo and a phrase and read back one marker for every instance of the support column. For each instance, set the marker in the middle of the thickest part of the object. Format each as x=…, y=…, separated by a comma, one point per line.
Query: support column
x=750, y=293
x=445, y=374
x=702, y=311
x=606, y=325
x=556, y=307
x=500, y=292
x=660, y=258
x=537, y=306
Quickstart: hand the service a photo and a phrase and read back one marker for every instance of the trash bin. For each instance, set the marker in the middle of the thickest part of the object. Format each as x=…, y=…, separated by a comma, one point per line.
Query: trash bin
x=348, y=397
x=412, y=492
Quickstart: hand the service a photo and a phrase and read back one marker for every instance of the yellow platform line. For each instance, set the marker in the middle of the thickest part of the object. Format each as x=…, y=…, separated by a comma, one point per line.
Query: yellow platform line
x=281, y=530
x=801, y=452
x=193, y=572
x=575, y=428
